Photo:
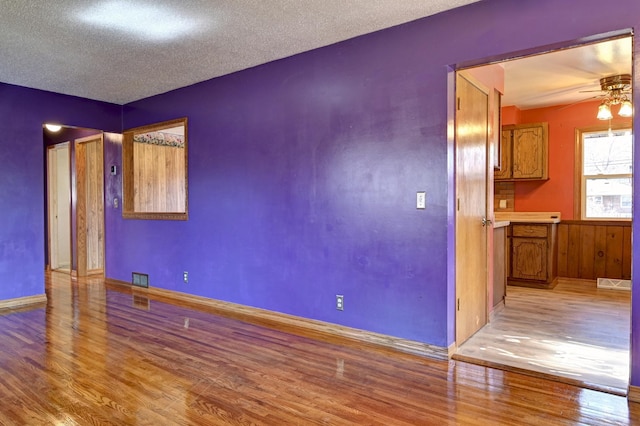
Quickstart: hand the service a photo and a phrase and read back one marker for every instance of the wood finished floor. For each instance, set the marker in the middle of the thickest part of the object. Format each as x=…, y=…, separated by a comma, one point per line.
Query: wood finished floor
x=575, y=332
x=104, y=355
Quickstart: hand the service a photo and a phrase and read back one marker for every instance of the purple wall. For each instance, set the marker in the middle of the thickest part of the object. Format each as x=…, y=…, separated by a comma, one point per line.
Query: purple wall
x=303, y=172
x=22, y=237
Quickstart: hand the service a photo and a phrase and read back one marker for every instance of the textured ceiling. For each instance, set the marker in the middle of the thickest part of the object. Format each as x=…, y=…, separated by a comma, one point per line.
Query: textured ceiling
x=123, y=50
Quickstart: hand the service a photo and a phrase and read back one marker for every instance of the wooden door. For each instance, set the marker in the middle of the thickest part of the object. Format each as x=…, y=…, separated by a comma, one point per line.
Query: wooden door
x=90, y=206
x=471, y=191
x=59, y=206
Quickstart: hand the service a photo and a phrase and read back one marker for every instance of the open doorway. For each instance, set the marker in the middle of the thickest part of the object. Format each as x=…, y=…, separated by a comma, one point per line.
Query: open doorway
x=74, y=200
x=59, y=206
x=564, y=89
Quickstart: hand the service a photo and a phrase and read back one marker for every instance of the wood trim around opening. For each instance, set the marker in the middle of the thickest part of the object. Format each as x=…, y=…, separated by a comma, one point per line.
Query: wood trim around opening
x=128, y=189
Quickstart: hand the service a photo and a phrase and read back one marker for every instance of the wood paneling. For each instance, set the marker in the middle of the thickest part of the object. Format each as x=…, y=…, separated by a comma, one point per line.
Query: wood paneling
x=594, y=249
x=94, y=357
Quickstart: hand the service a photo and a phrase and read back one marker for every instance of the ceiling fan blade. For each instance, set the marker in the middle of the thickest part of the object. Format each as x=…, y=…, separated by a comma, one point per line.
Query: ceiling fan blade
x=579, y=102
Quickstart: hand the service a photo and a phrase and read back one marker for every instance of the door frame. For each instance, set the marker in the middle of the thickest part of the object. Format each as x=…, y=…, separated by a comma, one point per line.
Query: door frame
x=537, y=50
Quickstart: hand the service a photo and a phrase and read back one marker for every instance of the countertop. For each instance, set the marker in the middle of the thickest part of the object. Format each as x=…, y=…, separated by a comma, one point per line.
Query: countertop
x=500, y=223
x=527, y=217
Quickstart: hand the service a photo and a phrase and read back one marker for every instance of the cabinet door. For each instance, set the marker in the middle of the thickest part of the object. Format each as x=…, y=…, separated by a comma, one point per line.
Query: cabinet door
x=529, y=258
x=505, y=157
x=529, y=152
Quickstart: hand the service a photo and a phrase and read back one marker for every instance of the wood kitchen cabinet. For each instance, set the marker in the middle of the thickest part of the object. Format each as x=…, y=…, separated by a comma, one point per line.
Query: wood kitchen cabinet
x=524, y=152
x=533, y=255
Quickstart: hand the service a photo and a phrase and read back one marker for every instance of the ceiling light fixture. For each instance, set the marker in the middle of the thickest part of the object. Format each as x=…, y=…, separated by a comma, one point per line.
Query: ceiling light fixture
x=145, y=20
x=618, y=89
x=53, y=127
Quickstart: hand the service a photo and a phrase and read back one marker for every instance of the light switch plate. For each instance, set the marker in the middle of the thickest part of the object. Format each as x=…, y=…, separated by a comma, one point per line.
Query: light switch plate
x=421, y=200
x=503, y=204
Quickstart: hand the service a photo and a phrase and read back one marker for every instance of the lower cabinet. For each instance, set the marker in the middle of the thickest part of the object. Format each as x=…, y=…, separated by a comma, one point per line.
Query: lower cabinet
x=533, y=254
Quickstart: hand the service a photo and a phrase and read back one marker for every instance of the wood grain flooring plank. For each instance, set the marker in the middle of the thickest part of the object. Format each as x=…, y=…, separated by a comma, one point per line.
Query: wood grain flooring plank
x=99, y=356
x=574, y=332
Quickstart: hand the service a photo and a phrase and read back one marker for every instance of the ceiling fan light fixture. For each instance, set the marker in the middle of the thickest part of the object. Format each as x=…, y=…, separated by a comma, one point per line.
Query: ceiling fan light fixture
x=616, y=88
x=626, y=109
x=604, y=112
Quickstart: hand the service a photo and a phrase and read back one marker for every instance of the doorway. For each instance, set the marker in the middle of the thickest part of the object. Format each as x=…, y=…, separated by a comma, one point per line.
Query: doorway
x=59, y=207
x=567, y=77
x=74, y=200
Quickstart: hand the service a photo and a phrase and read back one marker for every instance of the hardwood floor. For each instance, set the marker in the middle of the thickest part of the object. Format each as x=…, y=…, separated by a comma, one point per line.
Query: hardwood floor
x=107, y=355
x=576, y=333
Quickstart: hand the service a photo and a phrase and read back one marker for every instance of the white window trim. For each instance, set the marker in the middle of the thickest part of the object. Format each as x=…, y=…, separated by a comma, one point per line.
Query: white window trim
x=583, y=177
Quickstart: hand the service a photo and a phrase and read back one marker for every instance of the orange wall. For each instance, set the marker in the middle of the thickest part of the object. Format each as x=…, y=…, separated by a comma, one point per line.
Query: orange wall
x=557, y=193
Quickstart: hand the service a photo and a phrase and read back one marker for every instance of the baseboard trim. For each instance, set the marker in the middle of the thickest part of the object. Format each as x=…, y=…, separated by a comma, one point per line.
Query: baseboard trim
x=633, y=394
x=314, y=329
x=19, y=302
x=499, y=307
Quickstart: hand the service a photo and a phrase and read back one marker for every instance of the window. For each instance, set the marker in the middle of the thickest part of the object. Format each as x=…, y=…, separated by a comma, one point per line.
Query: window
x=154, y=170
x=607, y=172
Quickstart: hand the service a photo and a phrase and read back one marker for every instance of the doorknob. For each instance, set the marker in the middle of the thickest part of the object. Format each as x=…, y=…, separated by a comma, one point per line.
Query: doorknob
x=486, y=221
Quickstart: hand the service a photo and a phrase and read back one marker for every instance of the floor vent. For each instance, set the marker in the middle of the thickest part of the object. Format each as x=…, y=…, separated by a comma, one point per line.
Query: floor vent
x=141, y=302
x=140, y=280
x=614, y=284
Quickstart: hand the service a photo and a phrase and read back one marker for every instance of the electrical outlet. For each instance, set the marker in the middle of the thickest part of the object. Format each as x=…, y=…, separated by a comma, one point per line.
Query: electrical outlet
x=340, y=302
x=421, y=200
x=185, y=277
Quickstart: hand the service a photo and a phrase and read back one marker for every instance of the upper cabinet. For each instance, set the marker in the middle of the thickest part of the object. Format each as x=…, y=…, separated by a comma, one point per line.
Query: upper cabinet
x=524, y=152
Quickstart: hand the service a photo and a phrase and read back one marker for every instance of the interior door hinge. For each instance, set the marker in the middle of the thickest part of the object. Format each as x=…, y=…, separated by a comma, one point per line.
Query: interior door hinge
x=458, y=303
x=458, y=104
x=458, y=207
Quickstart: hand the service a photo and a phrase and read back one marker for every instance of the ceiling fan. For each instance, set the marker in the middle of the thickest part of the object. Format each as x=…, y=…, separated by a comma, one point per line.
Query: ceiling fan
x=617, y=91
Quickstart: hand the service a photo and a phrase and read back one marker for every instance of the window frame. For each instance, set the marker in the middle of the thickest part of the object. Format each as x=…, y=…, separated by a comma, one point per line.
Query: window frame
x=579, y=204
